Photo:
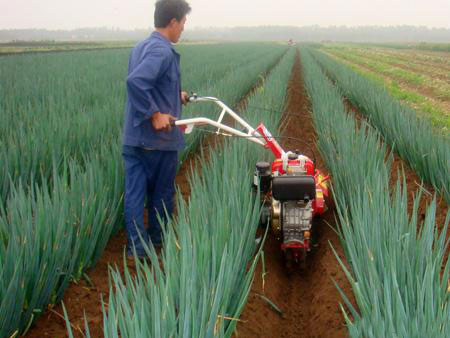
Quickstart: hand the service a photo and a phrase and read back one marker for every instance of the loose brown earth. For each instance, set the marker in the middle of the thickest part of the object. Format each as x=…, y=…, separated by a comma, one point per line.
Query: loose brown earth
x=309, y=300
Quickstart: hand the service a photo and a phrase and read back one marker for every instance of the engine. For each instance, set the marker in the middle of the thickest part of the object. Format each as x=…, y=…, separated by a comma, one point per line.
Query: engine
x=292, y=194
x=296, y=223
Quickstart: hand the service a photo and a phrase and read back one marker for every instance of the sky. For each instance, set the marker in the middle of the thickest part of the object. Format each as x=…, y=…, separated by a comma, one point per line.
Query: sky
x=132, y=14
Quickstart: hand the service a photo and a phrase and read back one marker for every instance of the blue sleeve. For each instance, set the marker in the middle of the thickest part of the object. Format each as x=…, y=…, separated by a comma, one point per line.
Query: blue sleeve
x=142, y=79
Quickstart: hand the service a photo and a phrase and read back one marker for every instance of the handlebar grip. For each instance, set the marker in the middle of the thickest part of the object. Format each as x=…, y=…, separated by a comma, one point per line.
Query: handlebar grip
x=192, y=97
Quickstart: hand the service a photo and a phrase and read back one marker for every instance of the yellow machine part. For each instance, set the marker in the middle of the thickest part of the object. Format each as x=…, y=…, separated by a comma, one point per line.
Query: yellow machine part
x=276, y=217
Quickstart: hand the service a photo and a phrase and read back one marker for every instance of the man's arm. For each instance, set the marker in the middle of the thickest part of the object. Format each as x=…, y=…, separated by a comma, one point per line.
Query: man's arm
x=142, y=79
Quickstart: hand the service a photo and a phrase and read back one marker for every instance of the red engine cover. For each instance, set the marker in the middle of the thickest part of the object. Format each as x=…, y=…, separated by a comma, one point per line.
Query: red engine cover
x=318, y=204
x=277, y=165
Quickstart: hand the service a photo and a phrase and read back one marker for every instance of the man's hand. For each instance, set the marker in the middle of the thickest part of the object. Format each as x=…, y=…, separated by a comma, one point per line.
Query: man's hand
x=184, y=97
x=162, y=121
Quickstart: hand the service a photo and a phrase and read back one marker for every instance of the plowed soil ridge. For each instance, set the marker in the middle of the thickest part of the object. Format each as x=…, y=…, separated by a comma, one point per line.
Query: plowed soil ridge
x=308, y=299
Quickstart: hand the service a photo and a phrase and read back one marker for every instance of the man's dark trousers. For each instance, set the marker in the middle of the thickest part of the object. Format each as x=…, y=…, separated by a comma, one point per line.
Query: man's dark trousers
x=149, y=174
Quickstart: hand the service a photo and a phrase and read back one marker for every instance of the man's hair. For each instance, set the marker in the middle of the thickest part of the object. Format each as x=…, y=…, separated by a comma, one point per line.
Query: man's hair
x=166, y=10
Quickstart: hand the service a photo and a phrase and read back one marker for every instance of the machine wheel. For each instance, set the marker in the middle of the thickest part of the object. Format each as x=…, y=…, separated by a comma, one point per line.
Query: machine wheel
x=295, y=261
x=265, y=216
x=289, y=262
x=302, y=260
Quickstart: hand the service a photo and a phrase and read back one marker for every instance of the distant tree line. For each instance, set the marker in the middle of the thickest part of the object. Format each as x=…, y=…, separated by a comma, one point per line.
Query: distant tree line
x=81, y=34
x=374, y=34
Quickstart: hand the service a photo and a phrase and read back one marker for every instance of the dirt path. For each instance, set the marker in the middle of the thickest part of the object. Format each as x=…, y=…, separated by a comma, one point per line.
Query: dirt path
x=309, y=300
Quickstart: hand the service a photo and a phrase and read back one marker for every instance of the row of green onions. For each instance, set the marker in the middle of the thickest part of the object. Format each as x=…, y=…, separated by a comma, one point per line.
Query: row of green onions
x=209, y=249
x=426, y=150
x=56, y=217
x=398, y=273
x=67, y=105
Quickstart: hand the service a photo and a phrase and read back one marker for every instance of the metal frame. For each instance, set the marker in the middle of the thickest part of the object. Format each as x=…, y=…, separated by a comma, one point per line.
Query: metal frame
x=252, y=134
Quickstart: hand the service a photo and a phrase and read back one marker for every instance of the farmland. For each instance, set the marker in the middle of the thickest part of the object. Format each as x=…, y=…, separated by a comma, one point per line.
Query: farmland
x=381, y=267
x=23, y=47
x=419, y=79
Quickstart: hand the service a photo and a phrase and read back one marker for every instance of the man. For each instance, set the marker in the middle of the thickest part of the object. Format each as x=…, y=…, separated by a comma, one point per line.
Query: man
x=150, y=144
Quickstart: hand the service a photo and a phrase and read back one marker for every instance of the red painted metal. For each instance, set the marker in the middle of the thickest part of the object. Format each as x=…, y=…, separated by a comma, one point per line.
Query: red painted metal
x=295, y=245
x=271, y=143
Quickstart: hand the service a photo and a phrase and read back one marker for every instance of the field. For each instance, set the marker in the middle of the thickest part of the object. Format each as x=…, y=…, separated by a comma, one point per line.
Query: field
x=420, y=79
x=375, y=118
x=24, y=47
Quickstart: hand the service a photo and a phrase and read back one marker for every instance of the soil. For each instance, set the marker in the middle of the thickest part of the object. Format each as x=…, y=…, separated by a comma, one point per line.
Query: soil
x=308, y=299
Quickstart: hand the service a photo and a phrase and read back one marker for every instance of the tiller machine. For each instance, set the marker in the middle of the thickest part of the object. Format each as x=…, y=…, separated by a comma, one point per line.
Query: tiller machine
x=293, y=191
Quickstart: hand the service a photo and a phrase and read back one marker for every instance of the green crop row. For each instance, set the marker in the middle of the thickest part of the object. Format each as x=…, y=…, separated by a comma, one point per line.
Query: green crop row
x=439, y=47
x=55, y=225
x=423, y=106
x=69, y=105
x=398, y=287
x=49, y=236
x=413, y=138
x=440, y=88
x=408, y=62
x=427, y=58
x=230, y=88
x=208, y=251
x=420, y=103
x=419, y=62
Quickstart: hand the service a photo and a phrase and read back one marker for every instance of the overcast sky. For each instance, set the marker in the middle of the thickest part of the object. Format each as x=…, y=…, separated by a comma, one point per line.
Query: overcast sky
x=130, y=14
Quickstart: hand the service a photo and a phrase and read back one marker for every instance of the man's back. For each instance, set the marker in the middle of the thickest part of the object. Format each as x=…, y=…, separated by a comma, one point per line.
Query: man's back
x=153, y=85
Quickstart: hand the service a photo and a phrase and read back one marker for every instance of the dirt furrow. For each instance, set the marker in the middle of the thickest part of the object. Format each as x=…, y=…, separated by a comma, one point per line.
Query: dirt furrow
x=308, y=300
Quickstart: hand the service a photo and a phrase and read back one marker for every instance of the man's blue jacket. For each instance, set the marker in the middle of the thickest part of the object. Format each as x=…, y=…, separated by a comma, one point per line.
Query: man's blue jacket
x=153, y=85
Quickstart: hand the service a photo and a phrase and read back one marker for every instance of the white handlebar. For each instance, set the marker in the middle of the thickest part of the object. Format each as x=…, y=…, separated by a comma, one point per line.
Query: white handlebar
x=251, y=134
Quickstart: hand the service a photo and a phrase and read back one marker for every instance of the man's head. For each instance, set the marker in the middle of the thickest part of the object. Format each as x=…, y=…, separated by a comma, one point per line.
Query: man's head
x=170, y=16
